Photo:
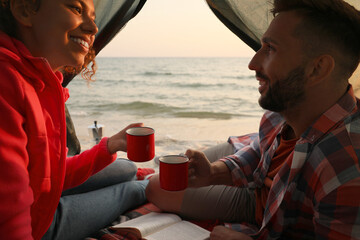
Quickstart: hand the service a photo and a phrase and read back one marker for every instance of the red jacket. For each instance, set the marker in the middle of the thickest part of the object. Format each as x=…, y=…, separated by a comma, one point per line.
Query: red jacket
x=34, y=169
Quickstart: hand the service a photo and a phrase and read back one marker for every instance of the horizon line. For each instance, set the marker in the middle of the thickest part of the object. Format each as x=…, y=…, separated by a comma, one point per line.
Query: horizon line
x=99, y=56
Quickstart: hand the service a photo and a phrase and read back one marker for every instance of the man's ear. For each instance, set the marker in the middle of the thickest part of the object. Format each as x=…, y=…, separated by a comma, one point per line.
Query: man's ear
x=22, y=12
x=320, y=68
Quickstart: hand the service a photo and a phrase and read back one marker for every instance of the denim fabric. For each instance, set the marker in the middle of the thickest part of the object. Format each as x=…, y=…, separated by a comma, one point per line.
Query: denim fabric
x=121, y=170
x=98, y=202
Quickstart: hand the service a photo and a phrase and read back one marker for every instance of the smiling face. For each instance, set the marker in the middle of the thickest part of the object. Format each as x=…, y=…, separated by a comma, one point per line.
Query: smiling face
x=62, y=31
x=283, y=93
x=279, y=65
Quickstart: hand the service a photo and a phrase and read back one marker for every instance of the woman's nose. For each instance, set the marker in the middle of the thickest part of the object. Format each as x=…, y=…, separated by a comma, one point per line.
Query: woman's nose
x=90, y=26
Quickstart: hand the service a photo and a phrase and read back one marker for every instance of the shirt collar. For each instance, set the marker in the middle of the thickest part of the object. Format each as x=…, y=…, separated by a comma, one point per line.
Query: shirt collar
x=344, y=107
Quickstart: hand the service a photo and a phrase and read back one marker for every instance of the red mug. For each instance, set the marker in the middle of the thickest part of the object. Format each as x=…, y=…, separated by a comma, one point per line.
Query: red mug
x=140, y=144
x=173, y=172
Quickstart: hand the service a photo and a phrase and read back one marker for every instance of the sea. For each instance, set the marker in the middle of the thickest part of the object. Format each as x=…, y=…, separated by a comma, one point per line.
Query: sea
x=190, y=102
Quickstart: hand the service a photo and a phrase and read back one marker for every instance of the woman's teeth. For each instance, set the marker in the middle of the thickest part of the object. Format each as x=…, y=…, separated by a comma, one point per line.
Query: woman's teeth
x=80, y=41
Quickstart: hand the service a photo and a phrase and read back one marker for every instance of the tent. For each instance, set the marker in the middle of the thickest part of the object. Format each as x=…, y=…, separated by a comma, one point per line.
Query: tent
x=249, y=19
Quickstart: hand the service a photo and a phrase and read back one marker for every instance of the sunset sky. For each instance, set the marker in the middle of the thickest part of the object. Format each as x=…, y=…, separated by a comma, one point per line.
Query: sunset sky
x=176, y=28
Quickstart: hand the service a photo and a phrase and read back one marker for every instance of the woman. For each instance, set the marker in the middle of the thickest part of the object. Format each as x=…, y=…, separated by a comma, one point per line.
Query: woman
x=38, y=39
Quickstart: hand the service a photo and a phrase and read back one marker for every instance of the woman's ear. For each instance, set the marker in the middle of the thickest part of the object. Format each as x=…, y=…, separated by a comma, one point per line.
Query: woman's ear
x=320, y=69
x=22, y=12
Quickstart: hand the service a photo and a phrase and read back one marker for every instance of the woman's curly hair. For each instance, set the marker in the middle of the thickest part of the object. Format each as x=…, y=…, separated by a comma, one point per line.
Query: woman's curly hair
x=8, y=25
x=86, y=72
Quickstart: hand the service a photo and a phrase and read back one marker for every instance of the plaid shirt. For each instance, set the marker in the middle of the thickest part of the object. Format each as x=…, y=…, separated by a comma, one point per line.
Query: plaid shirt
x=316, y=194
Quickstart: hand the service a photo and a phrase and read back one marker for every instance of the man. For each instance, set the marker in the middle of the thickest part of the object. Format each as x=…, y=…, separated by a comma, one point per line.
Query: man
x=300, y=178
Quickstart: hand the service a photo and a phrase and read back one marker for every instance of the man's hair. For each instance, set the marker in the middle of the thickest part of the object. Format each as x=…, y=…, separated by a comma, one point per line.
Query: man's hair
x=328, y=27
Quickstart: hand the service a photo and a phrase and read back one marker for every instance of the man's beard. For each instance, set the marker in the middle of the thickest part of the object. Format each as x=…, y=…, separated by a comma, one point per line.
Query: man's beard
x=285, y=93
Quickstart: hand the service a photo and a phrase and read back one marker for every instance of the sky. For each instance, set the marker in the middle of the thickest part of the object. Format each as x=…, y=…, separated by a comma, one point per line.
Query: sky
x=176, y=28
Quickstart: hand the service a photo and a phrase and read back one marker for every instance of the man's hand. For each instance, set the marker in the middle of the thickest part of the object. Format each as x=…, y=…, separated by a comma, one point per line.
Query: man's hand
x=204, y=173
x=199, y=169
x=221, y=233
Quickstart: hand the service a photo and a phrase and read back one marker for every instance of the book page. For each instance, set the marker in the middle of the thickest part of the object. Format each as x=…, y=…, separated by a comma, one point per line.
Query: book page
x=183, y=230
x=150, y=223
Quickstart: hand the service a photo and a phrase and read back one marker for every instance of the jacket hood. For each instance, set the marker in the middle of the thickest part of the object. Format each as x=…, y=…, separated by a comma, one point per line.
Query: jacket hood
x=17, y=54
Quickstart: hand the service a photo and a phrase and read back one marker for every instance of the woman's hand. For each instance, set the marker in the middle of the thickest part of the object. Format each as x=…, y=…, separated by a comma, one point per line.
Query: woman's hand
x=118, y=141
x=221, y=232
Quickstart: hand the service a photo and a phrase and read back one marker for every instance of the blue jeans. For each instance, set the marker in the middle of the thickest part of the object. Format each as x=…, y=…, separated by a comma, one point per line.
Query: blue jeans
x=96, y=203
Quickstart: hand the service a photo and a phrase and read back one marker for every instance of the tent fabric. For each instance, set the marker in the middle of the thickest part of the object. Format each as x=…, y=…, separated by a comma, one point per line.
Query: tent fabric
x=111, y=17
x=249, y=19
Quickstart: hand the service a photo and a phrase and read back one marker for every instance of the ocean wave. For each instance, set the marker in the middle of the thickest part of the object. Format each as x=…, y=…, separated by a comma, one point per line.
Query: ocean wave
x=151, y=74
x=198, y=85
x=166, y=140
x=156, y=74
x=246, y=77
x=243, y=77
x=79, y=113
x=110, y=80
x=139, y=107
x=204, y=114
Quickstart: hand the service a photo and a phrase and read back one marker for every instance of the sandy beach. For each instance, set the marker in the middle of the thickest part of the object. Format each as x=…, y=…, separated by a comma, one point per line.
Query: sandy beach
x=174, y=136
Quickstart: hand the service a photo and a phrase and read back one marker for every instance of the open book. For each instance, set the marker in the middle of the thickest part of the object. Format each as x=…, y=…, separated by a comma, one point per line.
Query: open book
x=162, y=226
